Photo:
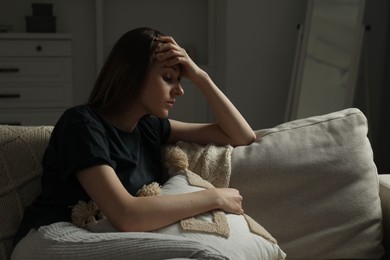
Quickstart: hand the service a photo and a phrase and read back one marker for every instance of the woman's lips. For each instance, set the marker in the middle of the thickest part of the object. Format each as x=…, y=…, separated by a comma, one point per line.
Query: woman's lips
x=171, y=103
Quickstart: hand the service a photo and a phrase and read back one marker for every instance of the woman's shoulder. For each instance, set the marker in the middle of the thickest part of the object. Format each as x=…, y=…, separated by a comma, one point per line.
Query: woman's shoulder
x=82, y=111
x=79, y=114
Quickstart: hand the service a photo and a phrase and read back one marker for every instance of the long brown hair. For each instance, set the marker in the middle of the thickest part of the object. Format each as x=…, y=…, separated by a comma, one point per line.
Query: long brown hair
x=124, y=72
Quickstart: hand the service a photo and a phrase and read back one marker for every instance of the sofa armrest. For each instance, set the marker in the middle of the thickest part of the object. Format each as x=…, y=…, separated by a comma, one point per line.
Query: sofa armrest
x=384, y=193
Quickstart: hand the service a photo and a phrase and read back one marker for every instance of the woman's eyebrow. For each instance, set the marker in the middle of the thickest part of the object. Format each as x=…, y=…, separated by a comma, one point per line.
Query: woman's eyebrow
x=175, y=69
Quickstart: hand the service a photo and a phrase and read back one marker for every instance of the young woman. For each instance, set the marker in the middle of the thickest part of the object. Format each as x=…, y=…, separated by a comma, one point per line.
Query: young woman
x=108, y=149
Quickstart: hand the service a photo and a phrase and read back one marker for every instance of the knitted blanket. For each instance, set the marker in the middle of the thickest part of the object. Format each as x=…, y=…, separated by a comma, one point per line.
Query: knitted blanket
x=211, y=162
x=21, y=151
x=208, y=167
x=64, y=240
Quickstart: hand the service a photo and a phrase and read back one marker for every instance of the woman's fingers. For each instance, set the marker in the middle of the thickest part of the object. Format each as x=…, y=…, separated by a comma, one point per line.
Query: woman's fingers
x=168, y=49
x=232, y=201
x=165, y=47
x=169, y=52
x=166, y=39
x=172, y=55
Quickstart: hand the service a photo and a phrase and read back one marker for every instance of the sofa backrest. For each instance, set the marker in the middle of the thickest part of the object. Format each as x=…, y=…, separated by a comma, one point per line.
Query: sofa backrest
x=313, y=184
x=21, y=152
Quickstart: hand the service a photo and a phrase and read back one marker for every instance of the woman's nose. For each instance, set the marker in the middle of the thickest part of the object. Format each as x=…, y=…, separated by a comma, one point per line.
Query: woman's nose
x=178, y=90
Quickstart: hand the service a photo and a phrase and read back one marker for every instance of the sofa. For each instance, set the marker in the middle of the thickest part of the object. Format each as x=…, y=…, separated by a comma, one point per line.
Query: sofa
x=312, y=183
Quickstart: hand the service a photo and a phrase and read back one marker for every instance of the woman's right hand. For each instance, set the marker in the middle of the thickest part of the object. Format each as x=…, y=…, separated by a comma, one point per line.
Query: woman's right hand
x=169, y=52
x=229, y=200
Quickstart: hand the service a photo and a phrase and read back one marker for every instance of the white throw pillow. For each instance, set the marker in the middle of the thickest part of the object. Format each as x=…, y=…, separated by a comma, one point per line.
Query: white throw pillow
x=314, y=185
x=241, y=243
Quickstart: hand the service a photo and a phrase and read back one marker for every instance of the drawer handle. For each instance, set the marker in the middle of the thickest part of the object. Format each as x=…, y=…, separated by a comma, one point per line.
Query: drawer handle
x=10, y=123
x=6, y=70
x=9, y=95
x=38, y=48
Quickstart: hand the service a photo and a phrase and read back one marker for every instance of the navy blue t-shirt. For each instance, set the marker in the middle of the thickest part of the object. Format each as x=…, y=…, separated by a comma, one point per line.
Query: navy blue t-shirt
x=82, y=139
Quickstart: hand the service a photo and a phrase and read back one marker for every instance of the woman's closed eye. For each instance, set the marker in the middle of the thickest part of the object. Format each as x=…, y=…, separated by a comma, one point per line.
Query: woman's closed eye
x=170, y=79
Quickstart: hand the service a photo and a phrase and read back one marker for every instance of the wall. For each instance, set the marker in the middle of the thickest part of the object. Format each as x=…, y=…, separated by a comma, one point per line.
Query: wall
x=373, y=86
x=261, y=40
x=255, y=46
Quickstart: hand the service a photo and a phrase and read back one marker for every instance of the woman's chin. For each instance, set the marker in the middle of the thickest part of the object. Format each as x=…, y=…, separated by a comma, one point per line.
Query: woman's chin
x=162, y=114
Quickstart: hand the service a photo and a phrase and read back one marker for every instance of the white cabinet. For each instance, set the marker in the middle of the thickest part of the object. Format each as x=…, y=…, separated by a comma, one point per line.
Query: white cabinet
x=35, y=77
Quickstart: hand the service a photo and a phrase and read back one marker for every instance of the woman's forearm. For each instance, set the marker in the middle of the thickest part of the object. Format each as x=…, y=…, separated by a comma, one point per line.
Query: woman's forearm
x=151, y=213
x=128, y=213
x=228, y=118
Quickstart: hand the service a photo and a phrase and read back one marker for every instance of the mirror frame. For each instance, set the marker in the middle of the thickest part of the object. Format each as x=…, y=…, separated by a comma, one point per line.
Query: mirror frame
x=294, y=94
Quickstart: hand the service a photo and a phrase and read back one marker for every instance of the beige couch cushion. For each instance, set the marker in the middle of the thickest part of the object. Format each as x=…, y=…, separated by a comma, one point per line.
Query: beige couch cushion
x=312, y=183
x=21, y=150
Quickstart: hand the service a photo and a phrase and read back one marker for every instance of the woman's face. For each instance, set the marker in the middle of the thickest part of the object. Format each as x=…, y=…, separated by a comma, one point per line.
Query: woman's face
x=161, y=89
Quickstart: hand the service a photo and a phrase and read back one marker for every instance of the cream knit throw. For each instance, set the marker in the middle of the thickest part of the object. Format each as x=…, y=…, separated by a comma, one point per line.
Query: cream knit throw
x=213, y=167
x=21, y=151
x=211, y=162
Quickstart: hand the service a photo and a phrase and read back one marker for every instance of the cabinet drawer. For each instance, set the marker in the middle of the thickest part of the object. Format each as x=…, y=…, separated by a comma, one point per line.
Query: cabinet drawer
x=41, y=70
x=35, y=48
x=50, y=95
x=32, y=117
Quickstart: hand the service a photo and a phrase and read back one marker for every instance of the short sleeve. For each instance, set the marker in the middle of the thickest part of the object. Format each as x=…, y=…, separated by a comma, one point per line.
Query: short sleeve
x=165, y=130
x=77, y=142
x=156, y=128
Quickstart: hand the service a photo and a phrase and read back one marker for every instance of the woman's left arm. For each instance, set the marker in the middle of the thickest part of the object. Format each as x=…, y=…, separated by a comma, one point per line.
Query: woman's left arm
x=230, y=127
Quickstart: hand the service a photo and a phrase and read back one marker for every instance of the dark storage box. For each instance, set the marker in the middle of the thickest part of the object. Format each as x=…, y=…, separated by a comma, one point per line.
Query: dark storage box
x=40, y=24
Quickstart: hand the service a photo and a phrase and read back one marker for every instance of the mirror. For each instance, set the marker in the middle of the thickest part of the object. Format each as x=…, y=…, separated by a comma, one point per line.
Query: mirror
x=327, y=58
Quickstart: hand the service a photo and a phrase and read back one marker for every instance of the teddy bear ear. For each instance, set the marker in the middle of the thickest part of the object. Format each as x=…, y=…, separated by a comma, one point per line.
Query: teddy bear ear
x=176, y=159
x=152, y=189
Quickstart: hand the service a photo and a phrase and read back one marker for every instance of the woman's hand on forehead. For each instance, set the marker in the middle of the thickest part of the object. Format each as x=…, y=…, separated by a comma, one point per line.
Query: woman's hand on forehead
x=170, y=54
